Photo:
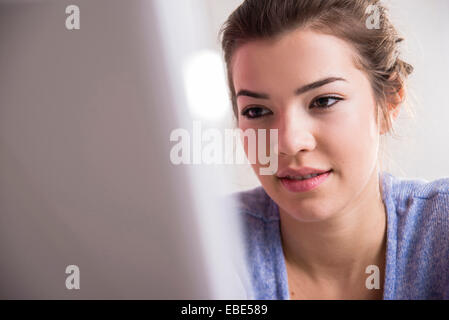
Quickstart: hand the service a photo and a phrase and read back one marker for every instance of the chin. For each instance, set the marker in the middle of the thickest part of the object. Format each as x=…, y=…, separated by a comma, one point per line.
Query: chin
x=305, y=209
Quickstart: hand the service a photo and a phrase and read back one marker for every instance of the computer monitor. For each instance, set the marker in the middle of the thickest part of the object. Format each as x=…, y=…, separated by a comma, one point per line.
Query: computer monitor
x=90, y=205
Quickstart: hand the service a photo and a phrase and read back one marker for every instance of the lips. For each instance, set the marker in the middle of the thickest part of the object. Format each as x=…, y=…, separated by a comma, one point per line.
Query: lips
x=300, y=172
x=295, y=185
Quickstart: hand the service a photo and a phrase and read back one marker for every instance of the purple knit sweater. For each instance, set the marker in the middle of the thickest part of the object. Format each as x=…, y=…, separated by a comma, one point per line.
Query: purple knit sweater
x=417, y=258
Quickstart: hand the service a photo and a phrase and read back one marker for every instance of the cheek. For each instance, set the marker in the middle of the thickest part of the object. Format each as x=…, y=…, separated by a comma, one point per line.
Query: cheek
x=243, y=128
x=254, y=143
x=353, y=139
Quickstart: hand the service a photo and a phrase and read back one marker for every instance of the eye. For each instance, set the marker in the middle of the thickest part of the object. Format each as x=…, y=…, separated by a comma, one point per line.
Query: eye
x=255, y=112
x=322, y=102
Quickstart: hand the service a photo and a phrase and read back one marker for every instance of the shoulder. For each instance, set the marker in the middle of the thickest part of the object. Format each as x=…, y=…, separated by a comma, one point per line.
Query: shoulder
x=418, y=213
x=419, y=188
x=260, y=221
x=421, y=208
x=427, y=197
x=403, y=192
x=418, y=204
x=254, y=203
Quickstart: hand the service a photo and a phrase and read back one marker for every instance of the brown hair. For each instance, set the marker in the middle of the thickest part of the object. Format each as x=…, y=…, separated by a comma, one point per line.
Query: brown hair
x=377, y=49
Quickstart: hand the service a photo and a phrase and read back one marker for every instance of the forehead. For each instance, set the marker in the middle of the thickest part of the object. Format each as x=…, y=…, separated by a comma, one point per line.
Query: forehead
x=297, y=57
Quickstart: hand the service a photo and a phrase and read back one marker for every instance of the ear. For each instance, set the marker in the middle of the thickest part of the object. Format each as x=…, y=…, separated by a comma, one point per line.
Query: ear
x=395, y=106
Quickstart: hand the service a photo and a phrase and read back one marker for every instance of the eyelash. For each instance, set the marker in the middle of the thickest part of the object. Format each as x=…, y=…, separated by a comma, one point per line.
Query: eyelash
x=245, y=112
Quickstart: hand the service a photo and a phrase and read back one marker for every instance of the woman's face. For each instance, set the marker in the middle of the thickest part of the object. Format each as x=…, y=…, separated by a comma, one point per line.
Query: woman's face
x=331, y=126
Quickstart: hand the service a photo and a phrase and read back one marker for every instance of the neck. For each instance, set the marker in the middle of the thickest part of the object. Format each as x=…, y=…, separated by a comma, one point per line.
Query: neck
x=342, y=246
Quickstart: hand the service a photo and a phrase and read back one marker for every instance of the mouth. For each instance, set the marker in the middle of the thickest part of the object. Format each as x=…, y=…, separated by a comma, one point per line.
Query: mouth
x=300, y=178
x=304, y=183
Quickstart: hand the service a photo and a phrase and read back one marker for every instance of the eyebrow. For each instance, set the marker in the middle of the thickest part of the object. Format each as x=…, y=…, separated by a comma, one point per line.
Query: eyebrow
x=298, y=91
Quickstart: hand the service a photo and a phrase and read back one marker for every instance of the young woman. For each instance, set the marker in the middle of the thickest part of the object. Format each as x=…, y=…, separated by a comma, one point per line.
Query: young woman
x=329, y=77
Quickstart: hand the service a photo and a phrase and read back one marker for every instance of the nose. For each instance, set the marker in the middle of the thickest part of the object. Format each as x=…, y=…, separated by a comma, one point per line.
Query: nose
x=295, y=135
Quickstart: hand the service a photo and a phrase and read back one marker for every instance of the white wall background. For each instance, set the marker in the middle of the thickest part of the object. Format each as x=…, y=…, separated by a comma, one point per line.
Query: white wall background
x=422, y=149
